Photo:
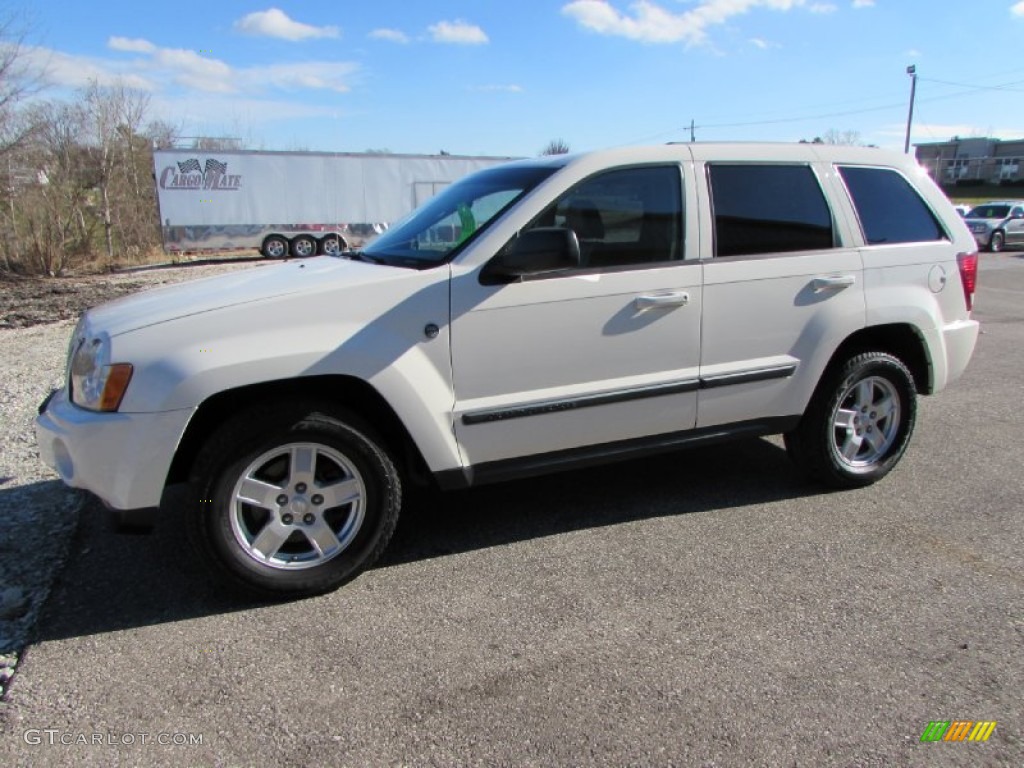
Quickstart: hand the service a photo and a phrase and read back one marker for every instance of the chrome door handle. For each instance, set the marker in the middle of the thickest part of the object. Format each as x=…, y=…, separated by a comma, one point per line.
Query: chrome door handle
x=661, y=300
x=820, y=284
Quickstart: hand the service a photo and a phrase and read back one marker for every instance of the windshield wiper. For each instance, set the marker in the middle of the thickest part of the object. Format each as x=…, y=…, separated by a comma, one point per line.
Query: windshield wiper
x=362, y=256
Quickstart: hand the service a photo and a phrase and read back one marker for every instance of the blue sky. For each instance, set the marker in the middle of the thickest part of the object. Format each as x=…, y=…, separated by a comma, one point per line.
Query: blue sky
x=504, y=78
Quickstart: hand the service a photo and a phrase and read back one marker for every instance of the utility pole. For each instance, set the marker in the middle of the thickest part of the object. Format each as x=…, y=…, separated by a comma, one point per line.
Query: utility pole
x=692, y=139
x=912, y=71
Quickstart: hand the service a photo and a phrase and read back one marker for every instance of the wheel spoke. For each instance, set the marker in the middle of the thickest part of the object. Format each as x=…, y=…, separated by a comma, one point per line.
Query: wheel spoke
x=877, y=441
x=271, y=538
x=884, y=408
x=844, y=418
x=851, y=445
x=258, y=493
x=322, y=537
x=865, y=392
x=341, y=492
x=303, y=464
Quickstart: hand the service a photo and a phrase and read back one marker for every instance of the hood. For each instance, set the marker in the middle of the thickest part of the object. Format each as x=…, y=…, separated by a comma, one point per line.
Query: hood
x=260, y=283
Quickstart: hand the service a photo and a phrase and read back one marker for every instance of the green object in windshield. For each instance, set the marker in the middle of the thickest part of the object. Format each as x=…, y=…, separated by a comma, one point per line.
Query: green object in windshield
x=467, y=222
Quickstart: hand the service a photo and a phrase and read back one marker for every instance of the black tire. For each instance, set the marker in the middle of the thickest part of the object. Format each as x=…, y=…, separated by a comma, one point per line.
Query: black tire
x=274, y=247
x=331, y=245
x=258, y=517
x=997, y=241
x=844, y=456
x=303, y=246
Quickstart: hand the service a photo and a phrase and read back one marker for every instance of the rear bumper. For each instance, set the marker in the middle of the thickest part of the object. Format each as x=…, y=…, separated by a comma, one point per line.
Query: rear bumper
x=123, y=458
x=958, y=340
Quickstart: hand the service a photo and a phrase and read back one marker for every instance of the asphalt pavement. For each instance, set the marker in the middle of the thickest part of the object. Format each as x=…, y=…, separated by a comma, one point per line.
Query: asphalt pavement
x=706, y=608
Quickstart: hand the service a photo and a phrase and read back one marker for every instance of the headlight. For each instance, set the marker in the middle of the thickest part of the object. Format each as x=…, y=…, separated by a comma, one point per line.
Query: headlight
x=96, y=383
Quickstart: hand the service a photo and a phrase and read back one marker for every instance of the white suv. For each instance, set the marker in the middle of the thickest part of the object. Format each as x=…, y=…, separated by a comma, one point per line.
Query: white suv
x=533, y=317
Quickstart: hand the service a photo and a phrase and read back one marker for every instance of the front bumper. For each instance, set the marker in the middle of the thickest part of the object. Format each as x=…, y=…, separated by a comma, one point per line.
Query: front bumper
x=983, y=238
x=123, y=458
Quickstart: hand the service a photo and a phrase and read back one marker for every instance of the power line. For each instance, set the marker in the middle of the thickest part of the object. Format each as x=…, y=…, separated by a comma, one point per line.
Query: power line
x=1006, y=87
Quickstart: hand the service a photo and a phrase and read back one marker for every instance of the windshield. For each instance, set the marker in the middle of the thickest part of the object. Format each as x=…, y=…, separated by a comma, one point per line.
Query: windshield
x=989, y=212
x=433, y=232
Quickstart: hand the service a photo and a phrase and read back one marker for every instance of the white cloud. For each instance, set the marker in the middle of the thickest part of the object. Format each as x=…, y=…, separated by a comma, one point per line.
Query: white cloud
x=863, y=3
x=822, y=8
x=274, y=22
x=391, y=35
x=764, y=45
x=313, y=75
x=648, y=22
x=195, y=71
x=1017, y=9
x=135, y=45
x=164, y=68
x=62, y=69
x=497, y=88
x=459, y=32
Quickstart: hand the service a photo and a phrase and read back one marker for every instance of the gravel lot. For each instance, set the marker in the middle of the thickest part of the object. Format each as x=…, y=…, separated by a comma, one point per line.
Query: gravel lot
x=706, y=609
x=38, y=514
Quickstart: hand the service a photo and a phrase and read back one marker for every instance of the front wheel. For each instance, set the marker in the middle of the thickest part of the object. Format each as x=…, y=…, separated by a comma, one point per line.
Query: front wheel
x=997, y=241
x=293, y=502
x=858, y=423
x=274, y=247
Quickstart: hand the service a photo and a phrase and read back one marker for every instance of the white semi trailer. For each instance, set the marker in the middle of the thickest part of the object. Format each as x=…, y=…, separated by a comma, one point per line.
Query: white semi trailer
x=297, y=203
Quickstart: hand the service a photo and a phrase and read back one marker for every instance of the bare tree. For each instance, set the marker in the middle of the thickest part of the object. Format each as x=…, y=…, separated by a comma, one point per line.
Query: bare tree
x=103, y=109
x=162, y=135
x=213, y=143
x=847, y=138
x=16, y=82
x=50, y=227
x=556, y=147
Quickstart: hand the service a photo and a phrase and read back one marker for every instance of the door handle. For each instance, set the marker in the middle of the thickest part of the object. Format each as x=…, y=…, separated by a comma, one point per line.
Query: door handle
x=662, y=300
x=835, y=283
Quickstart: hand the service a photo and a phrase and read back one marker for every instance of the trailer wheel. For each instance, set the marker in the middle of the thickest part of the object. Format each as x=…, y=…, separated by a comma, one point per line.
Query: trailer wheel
x=332, y=245
x=303, y=246
x=274, y=247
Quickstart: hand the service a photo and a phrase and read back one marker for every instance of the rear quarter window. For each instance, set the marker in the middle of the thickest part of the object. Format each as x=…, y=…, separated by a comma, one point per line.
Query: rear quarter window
x=889, y=208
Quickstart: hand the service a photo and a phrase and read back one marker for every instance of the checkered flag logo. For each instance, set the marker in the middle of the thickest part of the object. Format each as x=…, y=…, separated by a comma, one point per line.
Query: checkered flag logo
x=191, y=165
x=214, y=165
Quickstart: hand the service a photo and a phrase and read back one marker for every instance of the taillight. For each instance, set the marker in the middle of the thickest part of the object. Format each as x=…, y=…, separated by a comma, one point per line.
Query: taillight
x=968, y=263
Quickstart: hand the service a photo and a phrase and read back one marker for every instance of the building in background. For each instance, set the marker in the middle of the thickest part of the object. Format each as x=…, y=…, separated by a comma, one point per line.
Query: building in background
x=973, y=161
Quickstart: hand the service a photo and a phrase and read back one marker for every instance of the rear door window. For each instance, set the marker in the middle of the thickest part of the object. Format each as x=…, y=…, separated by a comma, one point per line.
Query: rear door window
x=889, y=208
x=768, y=209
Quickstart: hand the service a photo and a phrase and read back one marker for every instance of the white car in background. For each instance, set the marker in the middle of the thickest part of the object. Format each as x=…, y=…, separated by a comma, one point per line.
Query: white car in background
x=997, y=223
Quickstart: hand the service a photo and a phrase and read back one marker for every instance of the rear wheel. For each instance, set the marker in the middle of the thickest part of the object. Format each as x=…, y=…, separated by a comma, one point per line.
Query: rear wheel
x=294, y=501
x=859, y=422
x=997, y=241
x=331, y=245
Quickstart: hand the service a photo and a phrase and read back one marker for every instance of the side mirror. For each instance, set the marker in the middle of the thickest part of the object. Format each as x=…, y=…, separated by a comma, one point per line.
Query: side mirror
x=534, y=252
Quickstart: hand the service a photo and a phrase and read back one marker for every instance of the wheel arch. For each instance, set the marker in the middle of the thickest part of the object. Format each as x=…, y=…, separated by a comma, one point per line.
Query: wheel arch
x=352, y=393
x=901, y=340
